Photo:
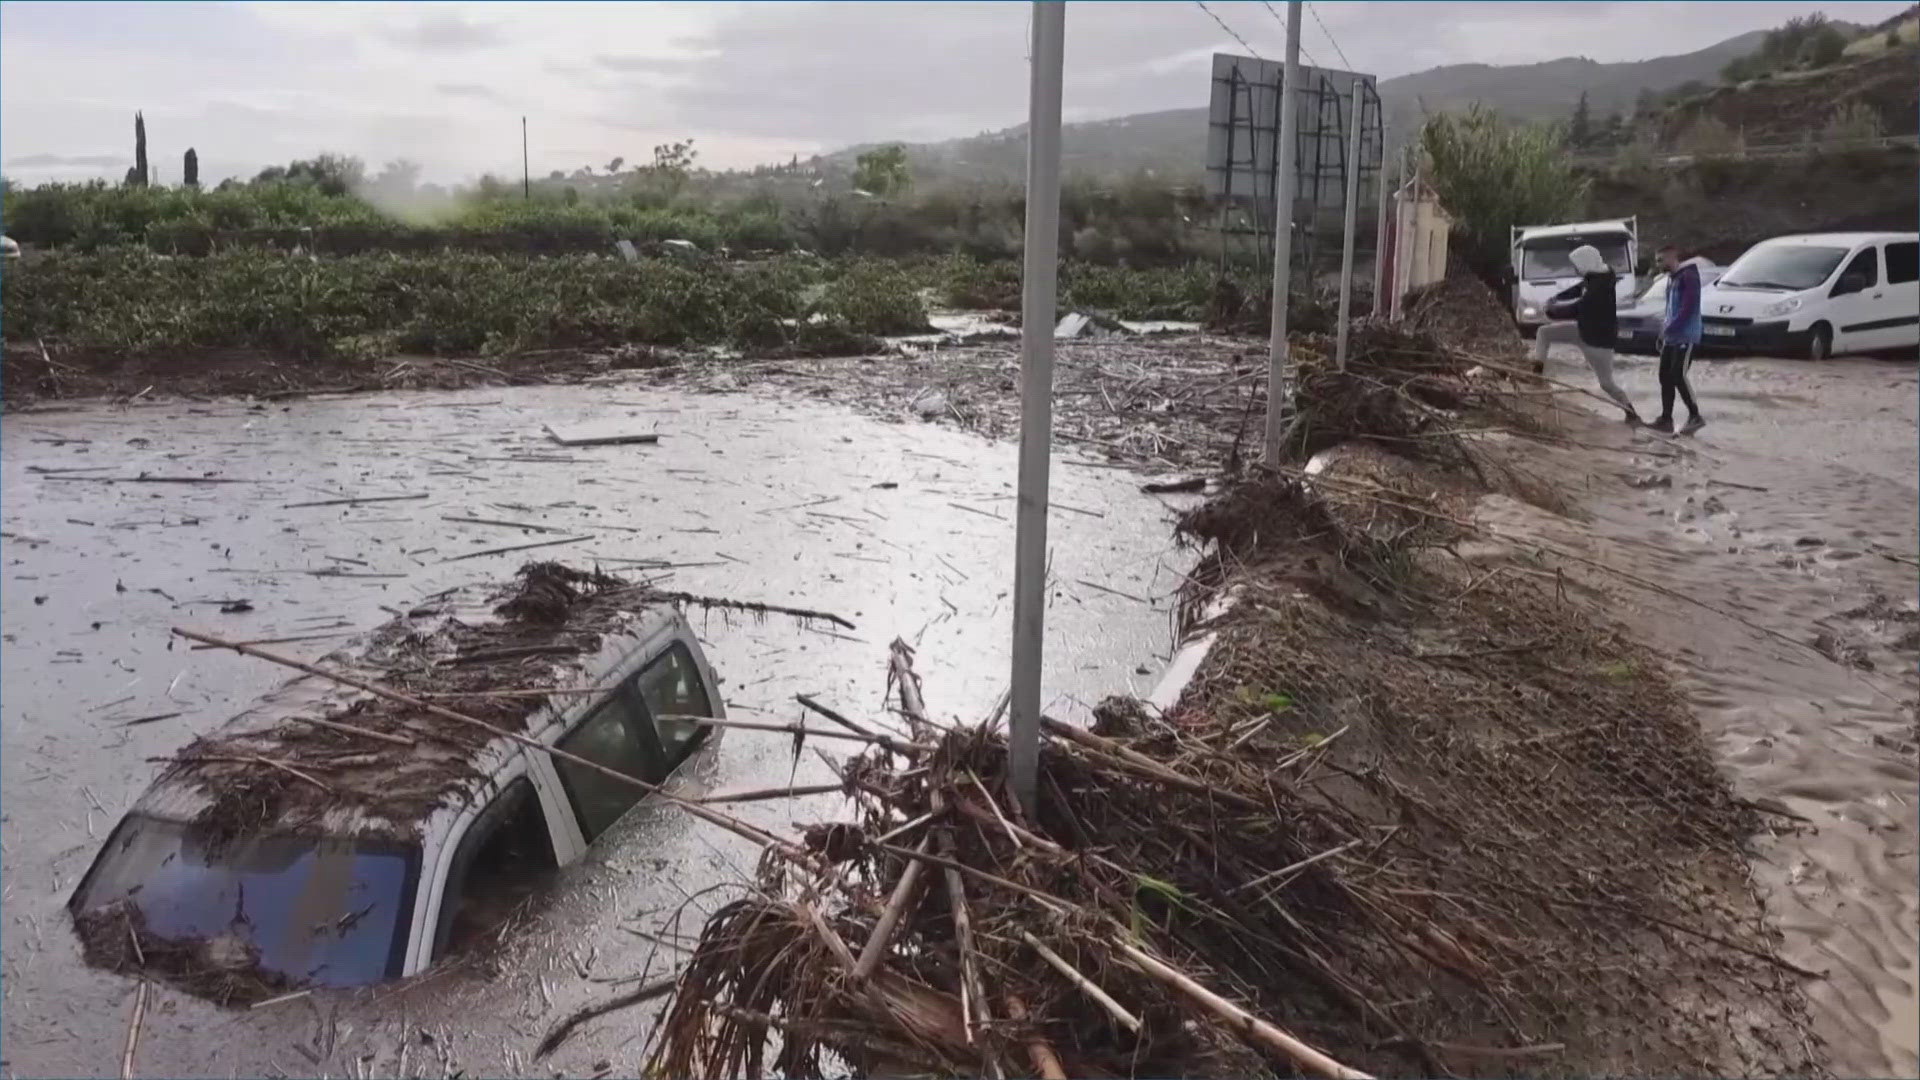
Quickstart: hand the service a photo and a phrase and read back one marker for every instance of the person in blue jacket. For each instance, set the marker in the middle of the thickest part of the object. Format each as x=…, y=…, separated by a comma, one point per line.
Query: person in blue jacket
x=1679, y=336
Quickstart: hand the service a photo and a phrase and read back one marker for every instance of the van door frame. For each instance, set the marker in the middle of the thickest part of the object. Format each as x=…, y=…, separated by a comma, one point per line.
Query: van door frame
x=436, y=858
x=1855, y=309
x=570, y=840
x=1895, y=308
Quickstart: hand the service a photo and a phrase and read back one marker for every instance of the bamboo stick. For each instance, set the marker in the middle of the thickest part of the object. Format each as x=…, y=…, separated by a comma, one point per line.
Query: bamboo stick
x=1250, y=1027
x=350, y=729
x=808, y=702
x=1045, y=1062
x=1139, y=763
x=1086, y=985
x=133, y=1031
x=764, y=794
x=892, y=745
x=906, y=892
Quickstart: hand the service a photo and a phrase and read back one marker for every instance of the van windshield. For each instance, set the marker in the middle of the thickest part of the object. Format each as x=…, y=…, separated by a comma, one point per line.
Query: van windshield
x=311, y=910
x=1790, y=267
x=1550, y=256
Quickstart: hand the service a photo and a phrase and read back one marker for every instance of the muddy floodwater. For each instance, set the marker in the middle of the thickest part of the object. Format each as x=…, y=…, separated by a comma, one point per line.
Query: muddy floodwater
x=1794, y=515
x=904, y=529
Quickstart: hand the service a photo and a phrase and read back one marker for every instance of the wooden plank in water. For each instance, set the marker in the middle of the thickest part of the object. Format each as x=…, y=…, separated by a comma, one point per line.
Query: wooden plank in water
x=605, y=435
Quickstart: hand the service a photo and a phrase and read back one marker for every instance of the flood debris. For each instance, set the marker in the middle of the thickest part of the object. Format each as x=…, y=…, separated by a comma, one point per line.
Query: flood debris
x=590, y=435
x=1415, y=814
x=355, y=500
x=510, y=548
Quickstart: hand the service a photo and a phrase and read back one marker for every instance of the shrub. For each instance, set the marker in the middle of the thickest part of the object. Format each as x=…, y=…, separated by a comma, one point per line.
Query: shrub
x=875, y=298
x=1492, y=175
x=1856, y=121
x=1709, y=136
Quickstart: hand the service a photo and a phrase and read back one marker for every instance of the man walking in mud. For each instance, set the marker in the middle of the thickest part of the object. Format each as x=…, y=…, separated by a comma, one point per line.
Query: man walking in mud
x=1679, y=336
x=1593, y=307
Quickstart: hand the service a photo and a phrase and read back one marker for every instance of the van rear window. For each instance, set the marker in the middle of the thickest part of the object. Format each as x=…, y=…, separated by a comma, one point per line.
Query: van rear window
x=1903, y=263
x=286, y=909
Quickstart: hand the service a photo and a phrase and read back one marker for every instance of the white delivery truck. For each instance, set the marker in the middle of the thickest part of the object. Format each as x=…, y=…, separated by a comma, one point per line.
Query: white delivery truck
x=1542, y=265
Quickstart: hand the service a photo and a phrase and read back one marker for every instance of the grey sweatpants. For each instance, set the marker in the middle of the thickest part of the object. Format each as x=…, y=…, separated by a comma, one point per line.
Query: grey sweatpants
x=1598, y=358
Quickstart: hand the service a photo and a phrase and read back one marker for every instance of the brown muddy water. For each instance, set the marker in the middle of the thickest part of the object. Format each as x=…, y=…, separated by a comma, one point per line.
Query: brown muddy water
x=1782, y=515
x=906, y=529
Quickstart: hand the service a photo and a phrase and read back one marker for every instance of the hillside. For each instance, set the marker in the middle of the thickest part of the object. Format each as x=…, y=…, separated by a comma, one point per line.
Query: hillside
x=1550, y=90
x=1792, y=107
x=1173, y=143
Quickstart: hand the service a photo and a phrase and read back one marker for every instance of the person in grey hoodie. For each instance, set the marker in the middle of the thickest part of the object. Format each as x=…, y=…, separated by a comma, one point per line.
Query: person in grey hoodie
x=1593, y=308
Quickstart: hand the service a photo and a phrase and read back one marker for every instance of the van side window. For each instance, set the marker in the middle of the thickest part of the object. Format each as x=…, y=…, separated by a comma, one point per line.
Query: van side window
x=1867, y=265
x=617, y=736
x=1903, y=262
x=671, y=688
x=499, y=862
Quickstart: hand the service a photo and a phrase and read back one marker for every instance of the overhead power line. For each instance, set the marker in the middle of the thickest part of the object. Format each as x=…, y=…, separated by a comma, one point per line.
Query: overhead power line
x=1330, y=38
x=1230, y=30
x=1271, y=10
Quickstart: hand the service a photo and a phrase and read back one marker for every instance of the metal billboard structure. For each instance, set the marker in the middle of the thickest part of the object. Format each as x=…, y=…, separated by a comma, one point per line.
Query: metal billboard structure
x=1243, y=140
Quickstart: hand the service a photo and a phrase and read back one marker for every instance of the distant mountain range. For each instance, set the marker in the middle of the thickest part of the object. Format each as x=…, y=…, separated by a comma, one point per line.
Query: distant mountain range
x=1173, y=143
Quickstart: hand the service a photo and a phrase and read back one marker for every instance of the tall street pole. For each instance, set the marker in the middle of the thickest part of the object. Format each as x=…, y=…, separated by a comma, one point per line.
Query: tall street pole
x=1283, y=196
x=1385, y=185
x=1037, y=313
x=1354, y=131
x=526, y=172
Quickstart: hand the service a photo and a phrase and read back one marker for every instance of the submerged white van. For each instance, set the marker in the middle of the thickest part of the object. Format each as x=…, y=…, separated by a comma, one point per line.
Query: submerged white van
x=1818, y=296
x=325, y=838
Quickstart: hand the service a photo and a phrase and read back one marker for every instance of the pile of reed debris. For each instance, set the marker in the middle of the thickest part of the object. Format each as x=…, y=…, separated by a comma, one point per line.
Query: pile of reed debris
x=1419, y=813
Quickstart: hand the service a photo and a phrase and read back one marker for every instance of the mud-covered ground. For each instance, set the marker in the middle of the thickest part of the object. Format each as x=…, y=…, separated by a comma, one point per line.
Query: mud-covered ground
x=1791, y=517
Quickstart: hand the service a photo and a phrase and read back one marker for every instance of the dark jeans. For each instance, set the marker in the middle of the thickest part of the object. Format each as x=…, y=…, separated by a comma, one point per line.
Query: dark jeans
x=1675, y=358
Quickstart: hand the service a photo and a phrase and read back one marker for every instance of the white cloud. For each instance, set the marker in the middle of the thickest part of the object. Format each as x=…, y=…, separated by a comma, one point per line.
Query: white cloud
x=249, y=84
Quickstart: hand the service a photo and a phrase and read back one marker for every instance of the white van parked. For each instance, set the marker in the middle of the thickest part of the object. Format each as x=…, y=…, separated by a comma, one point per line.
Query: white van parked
x=1818, y=296
x=1543, y=264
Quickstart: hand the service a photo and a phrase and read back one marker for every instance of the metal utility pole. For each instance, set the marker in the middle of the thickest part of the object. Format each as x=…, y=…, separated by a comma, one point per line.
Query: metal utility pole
x=526, y=172
x=1354, y=131
x=1283, y=189
x=1380, y=304
x=1037, y=297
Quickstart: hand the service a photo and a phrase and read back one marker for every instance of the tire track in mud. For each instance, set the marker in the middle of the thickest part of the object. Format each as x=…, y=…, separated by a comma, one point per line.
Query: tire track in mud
x=1791, y=516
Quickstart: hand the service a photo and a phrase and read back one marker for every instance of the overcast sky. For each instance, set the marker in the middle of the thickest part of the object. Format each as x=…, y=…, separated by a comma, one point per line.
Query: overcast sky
x=445, y=84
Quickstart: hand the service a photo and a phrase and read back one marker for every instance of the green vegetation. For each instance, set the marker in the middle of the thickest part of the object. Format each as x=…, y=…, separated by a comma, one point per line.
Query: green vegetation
x=883, y=171
x=330, y=203
x=1804, y=43
x=1493, y=175
x=1854, y=121
x=131, y=301
x=1901, y=31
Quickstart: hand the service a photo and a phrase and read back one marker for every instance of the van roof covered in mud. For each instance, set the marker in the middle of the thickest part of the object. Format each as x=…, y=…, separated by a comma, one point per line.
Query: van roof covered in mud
x=334, y=836
x=314, y=757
